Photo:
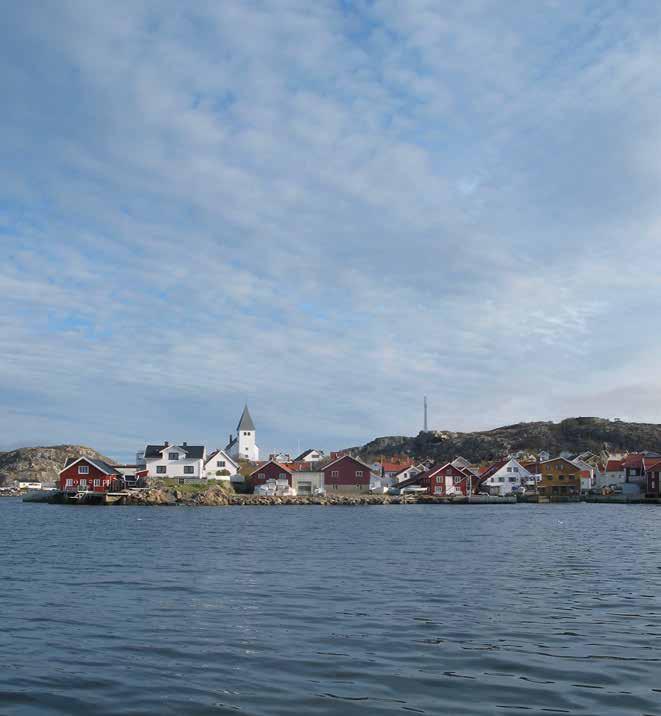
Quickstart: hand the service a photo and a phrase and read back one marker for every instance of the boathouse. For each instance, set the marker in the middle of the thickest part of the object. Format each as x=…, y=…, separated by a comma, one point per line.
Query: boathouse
x=86, y=474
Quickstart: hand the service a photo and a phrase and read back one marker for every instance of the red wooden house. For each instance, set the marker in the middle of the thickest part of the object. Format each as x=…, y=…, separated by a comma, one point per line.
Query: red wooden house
x=347, y=475
x=652, y=476
x=85, y=474
x=448, y=480
x=270, y=470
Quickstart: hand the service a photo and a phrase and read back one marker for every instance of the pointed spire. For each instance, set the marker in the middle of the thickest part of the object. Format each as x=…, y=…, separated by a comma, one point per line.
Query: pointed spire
x=246, y=422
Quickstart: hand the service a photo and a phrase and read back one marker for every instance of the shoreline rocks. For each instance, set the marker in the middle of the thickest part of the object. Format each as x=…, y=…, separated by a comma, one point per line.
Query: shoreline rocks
x=216, y=497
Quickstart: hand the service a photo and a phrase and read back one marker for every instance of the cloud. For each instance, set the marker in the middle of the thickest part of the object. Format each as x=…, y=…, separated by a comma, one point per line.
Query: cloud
x=327, y=210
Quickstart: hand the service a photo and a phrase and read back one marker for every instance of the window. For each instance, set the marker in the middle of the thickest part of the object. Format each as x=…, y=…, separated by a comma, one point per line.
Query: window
x=82, y=483
x=220, y=463
x=448, y=471
x=69, y=482
x=509, y=469
x=457, y=479
x=335, y=473
x=359, y=473
x=83, y=470
x=549, y=477
x=173, y=456
x=189, y=469
x=97, y=483
x=515, y=469
x=261, y=476
x=247, y=434
x=512, y=479
x=501, y=479
x=161, y=469
x=282, y=476
x=439, y=480
x=561, y=477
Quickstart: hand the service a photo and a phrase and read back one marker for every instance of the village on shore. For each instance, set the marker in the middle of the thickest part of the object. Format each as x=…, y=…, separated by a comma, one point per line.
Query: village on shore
x=314, y=474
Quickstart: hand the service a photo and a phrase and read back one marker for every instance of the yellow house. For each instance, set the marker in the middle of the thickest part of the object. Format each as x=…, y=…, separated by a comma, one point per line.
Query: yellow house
x=559, y=478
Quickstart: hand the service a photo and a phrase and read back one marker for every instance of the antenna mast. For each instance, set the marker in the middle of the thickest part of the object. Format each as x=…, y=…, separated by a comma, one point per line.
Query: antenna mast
x=425, y=425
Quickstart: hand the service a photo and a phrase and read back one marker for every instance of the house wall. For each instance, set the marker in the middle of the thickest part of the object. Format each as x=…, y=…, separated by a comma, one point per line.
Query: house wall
x=610, y=478
x=347, y=476
x=442, y=481
x=314, y=478
x=560, y=478
x=653, y=484
x=211, y=467
x=175, y=468
x=270, y=471
x=314, y=456
x=103, y=482
x=510, y=475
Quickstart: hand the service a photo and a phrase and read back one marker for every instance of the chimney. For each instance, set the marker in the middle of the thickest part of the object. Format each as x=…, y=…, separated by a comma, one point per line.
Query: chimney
x=230, y=439
x=185, y=444
x=167, y=444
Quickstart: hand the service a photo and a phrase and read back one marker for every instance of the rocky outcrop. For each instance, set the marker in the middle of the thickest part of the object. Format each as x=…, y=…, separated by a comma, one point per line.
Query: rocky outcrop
x=573, y=435
x=40, y=464
x=152, y=496
x=216, y=497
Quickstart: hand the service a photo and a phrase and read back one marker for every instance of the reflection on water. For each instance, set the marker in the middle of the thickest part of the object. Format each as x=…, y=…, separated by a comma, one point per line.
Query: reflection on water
x=368, y=610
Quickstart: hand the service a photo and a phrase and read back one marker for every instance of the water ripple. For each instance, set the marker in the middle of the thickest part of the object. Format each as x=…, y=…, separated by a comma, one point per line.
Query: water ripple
x=427, y=610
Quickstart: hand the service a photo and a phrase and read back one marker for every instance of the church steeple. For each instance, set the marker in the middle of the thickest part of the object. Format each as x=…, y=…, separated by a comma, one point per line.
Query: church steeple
x=246, y=422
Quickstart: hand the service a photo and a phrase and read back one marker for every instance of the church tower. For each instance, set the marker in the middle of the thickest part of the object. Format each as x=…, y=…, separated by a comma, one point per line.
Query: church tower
x=244, y=445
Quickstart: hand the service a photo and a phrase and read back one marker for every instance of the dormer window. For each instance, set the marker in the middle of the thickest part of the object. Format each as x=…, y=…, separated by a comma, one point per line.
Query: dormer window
x=83, y=469
x=173, y=456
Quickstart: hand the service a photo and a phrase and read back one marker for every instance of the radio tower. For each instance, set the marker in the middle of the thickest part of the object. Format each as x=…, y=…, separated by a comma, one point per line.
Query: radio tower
x=425, y=427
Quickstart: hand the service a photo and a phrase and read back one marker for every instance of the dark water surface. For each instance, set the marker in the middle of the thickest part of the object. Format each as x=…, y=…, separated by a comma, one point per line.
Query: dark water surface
x=503, y=609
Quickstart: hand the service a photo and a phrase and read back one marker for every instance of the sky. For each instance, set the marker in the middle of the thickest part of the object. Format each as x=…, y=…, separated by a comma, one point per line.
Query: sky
x=327, y=210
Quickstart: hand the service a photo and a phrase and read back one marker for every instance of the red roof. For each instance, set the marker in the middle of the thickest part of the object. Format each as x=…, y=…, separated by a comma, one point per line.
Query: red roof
x=396, y=466
x=300, y=466
x=635, y=460
x=614, y=466
x=262, y=465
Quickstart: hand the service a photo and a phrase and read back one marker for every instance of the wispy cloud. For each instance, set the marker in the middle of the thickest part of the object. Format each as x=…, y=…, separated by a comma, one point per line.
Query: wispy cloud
x=327, y=209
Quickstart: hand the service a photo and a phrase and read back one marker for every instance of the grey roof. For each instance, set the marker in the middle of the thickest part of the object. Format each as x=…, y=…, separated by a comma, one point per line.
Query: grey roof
x=246, y=422
x=103, y=466
x=195, y=452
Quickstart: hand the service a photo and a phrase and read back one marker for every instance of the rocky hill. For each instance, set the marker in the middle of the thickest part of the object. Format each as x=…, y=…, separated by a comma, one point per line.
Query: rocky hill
x=573, y=435
x=41, y=464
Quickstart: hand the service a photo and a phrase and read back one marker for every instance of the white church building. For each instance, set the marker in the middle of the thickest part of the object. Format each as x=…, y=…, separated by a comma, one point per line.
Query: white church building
x=242, y=445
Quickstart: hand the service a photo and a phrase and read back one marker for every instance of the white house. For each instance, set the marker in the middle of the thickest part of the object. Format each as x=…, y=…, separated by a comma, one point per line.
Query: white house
x=243, y=445
x=407, y=472
x=311, y=455
x=614, y=473
x=505, y=476
x=282, y=457
x=28, y=485
x=218, y=465
x=180, y=462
